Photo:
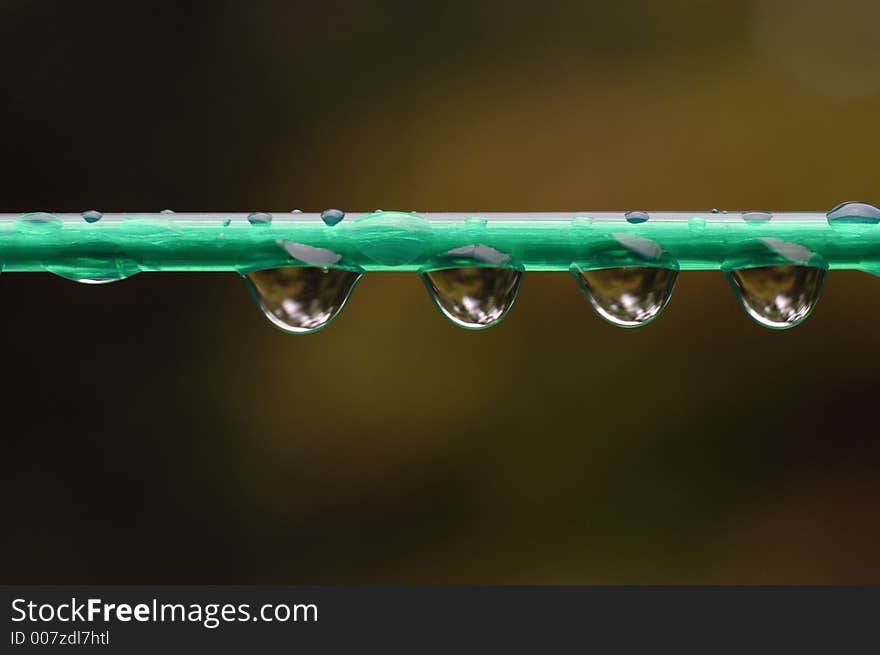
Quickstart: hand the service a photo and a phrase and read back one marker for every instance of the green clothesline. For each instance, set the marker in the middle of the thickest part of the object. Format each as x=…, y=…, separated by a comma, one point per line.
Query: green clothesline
x=463, y=257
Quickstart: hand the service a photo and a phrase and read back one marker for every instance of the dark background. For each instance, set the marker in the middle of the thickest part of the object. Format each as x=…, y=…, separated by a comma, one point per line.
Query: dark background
x=160, y=430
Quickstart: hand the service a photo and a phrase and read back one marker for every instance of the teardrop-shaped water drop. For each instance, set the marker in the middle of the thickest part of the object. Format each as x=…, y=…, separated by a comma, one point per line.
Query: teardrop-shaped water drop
x=636, y=217
x=92, y=216
x=302, y=299
x=854, y=212
x=332, y=216
x=628, y=296
x=259, y=218
x=473, y=297
x=778, y=297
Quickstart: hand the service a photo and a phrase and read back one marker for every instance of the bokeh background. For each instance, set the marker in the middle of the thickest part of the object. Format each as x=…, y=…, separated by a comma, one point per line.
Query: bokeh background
x=159, y=430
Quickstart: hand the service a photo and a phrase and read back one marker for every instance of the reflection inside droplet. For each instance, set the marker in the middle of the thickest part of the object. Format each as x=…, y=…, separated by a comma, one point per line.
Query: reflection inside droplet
x=778, y=296
x=628, y=296
x=474, y=297
x=92, y=216
x=302, y=299
x=97, y=280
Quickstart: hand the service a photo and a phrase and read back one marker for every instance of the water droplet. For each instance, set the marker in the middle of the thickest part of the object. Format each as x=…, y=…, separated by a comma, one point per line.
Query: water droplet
x=302, y=299
x=167, y=211
x=332, y=216
x=473, y=297
x=854, y=212
x=259, y=218
x=778, y=296
x=714, y=211
x=92, y=216
x=636, y=217
x=40, y=217
x=627, y=296
x=38, y=222
x=756, y=217
x=101, y=268
x=297, y=211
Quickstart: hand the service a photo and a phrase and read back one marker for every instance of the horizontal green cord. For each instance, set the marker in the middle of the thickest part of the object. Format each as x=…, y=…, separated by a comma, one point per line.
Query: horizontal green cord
x=116, y=245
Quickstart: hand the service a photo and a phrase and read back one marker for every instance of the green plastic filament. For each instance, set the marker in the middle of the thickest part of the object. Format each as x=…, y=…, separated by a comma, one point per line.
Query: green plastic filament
x=302, y=267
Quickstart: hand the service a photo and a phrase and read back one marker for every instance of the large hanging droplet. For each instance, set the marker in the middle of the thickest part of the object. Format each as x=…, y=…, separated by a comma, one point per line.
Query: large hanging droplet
x=302, y=299
x=628, y=296
x=473, y=297
x=778, y=297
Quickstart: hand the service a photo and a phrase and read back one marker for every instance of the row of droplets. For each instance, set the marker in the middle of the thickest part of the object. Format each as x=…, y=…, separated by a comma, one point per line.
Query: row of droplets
x=846, y=212
x=304, y=299
x=330, y=217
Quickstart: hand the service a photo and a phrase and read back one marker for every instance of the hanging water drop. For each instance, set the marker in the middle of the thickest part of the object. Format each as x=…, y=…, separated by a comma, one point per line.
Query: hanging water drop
x=636, y=217
x=778, y=297
x=627, y=296
x=92, y=216
x=332, y=216
x=854, y=212
x=302, y=299
x=473, y=297
x=259, y=218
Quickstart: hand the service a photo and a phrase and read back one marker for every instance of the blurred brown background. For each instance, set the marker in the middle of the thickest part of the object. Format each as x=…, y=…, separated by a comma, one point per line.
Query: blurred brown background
x=160, y=430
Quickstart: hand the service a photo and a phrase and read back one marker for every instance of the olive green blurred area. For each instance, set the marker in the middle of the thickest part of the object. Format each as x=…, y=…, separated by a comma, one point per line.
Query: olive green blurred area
x=159, y=430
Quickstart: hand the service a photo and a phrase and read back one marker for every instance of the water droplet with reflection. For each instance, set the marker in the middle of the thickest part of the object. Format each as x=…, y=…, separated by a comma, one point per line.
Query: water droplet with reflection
x=854, y=212
x=628, y=296
x=778, y=297
x=332, y=216
x=474, y=297
x=636, y=217
x=302, y=299
x=92, y=216
x=259, y=218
